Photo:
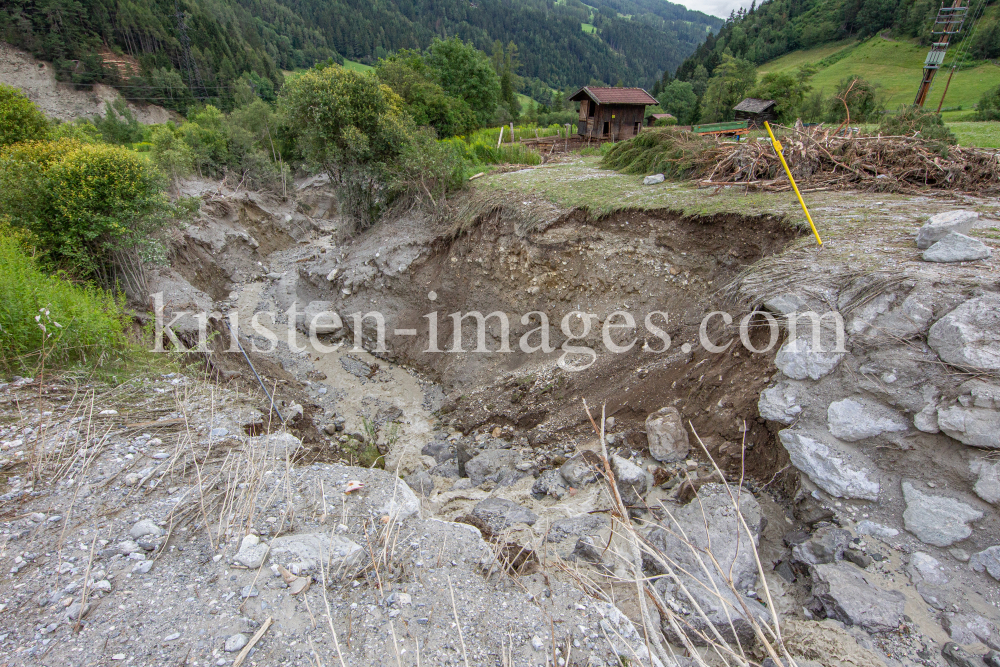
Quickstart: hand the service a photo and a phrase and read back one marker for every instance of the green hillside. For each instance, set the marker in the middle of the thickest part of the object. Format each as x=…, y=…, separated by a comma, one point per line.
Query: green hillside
x=179, y=52
x=894, y=65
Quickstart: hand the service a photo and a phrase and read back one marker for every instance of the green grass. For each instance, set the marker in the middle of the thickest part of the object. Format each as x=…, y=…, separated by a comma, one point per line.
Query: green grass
x=978, y=134
x=48, y=319
x=896, y=66
x=588, y=28
x=356, y=66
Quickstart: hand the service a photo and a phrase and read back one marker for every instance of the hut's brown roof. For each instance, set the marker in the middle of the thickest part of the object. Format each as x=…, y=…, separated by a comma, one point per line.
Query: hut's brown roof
x=753, y=105
x=615, y=96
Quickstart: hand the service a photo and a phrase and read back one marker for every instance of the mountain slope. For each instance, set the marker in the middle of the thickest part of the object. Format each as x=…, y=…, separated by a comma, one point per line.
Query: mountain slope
x=177, y=51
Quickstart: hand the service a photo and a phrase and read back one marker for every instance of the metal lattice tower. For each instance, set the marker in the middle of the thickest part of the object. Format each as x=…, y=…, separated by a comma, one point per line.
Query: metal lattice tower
x=948, y=22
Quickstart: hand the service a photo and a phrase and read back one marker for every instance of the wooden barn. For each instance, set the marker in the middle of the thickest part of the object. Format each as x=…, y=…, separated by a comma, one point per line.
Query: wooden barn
x=611, y=113
x=755, y=111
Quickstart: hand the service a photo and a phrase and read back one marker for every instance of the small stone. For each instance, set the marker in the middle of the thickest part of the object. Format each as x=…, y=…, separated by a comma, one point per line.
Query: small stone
x=126, y=547
x=631, y=481
x=249, y=591
x=858, y=557
x=956, y=656
x=235, y=642
x=581, y=469
x=499, y=514
x=77, y=611
x=172, y=636
x=131, y=479
x=219, y=432
x=143, y=568
x=988, y=560
x=653, y=180
x=852, y=419
x=667, y=437
x=252, y=552
x=927, y=568
x=867, y=527
x=536, y=643
x=143, y=528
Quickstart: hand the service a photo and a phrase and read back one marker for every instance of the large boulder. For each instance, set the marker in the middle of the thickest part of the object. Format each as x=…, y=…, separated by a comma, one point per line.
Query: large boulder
x=668, y=439
x=942, y=224
x=956, y=248
x=829, y=468
x=936, y=520
x=709, y=522
x=969, y=336
x=847, y=595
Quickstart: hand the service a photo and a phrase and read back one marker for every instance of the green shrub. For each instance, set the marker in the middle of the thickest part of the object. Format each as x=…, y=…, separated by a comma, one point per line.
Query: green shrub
x=669, y=151
x=861, y=97
x=119, y=125
x=20, y=119
x=989, y=105
x=910, y=120
x=46, y=319
x=91, y=208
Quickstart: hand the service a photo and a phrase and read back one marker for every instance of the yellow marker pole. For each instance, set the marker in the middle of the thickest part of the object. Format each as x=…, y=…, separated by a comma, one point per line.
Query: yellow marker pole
x=777, y=149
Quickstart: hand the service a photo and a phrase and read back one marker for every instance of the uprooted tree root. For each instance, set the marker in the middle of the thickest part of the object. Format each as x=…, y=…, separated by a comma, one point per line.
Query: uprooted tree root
x=818, y=159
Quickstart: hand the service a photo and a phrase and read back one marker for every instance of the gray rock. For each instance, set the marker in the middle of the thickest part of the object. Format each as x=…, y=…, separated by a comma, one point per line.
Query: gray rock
x=828, y=468
x=976, y=427
x=936, y=520
x=126, y=547
x=912, y=317
x=550, y=483
x=942, y=224
x=580, y=470
x=143, y=528
x=969, y=336
x=448, y=469
x=587, y=550
x=587, y=524
x=987, y=485
x=853, y=419
x=710, y=518
x=399, y=502
x=883, y=533
x=304, y=552
x=494, y=466
x=499, y=514
x=956, y=248
x=783, y=304
x=924, y=567
x=320, y=315
x=631, y=481
x=983, y=394
x=826, y=545
x=77, y=611
x=780, y=403
x=971, y=628
x=798, y=360
x=440, y=450
x=235, y=642
x=956, y=656
x=848, y=596
x=667, y=437
x=858, y=557
x=988, y=560
x=653, y=180
x=252, y=552
x=420, y=482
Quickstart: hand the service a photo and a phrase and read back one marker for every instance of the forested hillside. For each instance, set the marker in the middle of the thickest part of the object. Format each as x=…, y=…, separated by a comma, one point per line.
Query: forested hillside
x=175, y=52
x=777, y=27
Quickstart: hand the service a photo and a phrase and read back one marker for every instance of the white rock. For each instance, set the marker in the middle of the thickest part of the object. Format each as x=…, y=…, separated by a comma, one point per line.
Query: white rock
x=883, y=533
x=977, y=427
x=653, y=180
x=252, y=552
x=970, y=334
x=942, y=224
x=667, y=437
x=302, y=553
x=956, y=248
x=852, y=419
x=984, y=394
x=219, y=432
x=988, y=560
x=403, y=504
x=798, y=360
x=143, y=528
x=780, y=403
x=235, y=642
x=828, y=468
x=987, y=485
x=936, y=520
x=784, y=304
x=927, y=568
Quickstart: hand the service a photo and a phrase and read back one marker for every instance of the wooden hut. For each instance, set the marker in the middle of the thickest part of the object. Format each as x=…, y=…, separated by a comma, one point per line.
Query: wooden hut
x=755, y=111
x=652, y=118
x=611, y=113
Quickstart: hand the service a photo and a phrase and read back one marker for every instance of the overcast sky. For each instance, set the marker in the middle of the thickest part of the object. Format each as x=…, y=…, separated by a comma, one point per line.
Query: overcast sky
x=719, y=8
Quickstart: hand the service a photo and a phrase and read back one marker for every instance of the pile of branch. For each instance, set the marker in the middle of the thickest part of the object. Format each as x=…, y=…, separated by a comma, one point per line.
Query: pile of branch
x=820, y=160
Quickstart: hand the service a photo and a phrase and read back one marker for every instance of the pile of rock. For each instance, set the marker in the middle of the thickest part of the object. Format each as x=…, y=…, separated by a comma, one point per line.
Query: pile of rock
x=943, y=238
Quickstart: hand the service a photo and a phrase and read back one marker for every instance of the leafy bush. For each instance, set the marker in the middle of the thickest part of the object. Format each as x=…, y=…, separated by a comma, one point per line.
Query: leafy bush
x=989, y=105
x=46, y=319
x=429, y=167
x=170, y=153
x=20, y=119
x=669, y=152
x=910, y=120
x=91, y=208
x=119, y=125
x=426, y=101
x=353, y=128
